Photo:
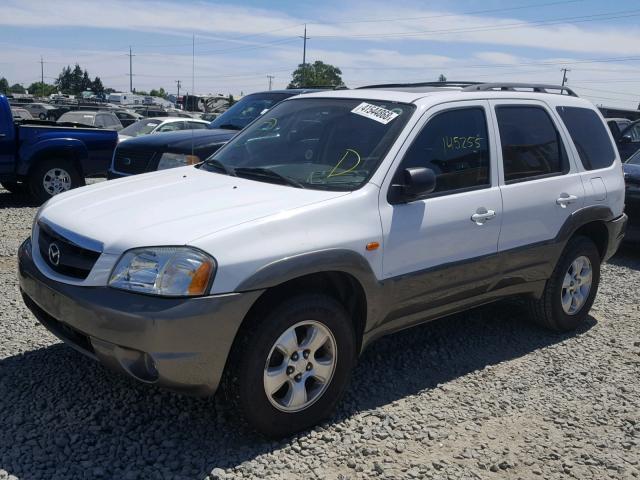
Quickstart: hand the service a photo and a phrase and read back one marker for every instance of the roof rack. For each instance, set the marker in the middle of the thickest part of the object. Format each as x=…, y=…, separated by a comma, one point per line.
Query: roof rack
x=513, y=87
x=422, y=84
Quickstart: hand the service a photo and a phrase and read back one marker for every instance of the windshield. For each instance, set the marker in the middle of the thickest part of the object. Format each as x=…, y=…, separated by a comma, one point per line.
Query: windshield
x=318, y=143
x=141, y=127
x=635, y=158
x=246, y=110
x=78, y=117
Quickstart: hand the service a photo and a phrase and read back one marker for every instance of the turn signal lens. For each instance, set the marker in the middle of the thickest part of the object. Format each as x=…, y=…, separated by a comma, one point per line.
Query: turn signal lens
x=372, y=246
x=200, y=279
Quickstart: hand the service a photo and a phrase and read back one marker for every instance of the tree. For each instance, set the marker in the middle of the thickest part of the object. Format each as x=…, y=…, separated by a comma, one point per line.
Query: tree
x=17, y=88
x=442, y=78
x=317, y=74
x=44, y=89
x=4, y=85
x=158, y=93
x=97, y=86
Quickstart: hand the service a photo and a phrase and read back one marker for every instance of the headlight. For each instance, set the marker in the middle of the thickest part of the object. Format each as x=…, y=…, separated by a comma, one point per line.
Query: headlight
x=164, y=271
x=37, y=217
x=172, y=160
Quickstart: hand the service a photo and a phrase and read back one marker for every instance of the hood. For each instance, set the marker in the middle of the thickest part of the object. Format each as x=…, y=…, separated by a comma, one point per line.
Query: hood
x=170, y=207
x=182, y=141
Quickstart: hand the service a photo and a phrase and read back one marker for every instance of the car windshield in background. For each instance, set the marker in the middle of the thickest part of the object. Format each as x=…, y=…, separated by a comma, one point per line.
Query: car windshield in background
x=78, y=117
x=318, y=143
x=634, y=159
x=141, y=127
x=247, y=110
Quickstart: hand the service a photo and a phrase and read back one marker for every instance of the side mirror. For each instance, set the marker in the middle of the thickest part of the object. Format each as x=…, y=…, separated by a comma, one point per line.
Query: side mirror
x=417, y=183
x=626, y=139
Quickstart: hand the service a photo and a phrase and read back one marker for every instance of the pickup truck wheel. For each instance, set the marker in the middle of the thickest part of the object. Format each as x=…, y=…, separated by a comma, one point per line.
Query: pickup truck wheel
x=14, y=187
x=42, y=116
x=51, y=177
x=288, y=370
x=571, y=290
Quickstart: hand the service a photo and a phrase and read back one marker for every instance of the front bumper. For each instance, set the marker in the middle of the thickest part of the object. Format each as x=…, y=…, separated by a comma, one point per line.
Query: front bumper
x=616, y=229
x=178, y=343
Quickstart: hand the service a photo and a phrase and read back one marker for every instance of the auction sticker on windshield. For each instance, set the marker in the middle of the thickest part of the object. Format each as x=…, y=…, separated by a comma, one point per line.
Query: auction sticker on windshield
x=374, y=112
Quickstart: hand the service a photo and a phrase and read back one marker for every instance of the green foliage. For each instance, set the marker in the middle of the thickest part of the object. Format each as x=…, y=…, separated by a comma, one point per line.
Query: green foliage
x=158, y=93
x=42, y=89
x=75, y=81
x=4, y=85
x=316, y=74
x=17, y=88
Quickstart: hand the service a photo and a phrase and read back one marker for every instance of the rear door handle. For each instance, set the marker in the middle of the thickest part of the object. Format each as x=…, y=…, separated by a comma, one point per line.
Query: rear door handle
x=565, y=199
x=482, y=215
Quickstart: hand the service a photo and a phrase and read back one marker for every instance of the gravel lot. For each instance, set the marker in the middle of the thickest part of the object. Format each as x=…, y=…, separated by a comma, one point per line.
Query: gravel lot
x=480, y=395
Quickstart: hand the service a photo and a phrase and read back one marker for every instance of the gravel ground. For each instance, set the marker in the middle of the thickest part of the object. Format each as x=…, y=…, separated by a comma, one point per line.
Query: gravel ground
x=479, y=395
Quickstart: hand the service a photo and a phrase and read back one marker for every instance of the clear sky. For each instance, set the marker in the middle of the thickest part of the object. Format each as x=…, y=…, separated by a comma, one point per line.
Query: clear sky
x=238, y=43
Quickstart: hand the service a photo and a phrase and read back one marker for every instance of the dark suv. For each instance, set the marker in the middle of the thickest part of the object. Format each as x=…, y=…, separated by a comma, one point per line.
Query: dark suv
x=167, y=150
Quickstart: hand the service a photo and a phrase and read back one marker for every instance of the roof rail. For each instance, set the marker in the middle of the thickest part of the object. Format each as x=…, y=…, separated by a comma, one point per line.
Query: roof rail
x=512, y=87
x=421, y=84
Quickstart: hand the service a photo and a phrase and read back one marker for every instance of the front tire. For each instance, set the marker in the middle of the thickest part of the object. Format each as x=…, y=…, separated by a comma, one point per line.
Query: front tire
x=288, y=370
x=53, y=176
x=572, y=288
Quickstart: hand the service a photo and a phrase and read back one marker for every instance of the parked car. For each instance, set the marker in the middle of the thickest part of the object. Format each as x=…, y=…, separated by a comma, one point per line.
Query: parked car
x=49, y=159
x=160, y=125
x=335, y=218
x=629, y=140
x=40, y=110
x=93, y=118
x=632, y=196
x=127, y=118
x=617, y=125
x=21, y=114
x=158, y=152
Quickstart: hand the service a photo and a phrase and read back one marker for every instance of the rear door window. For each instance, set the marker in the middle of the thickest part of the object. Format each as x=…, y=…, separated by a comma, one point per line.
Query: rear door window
x=531, y=145
x=589, y=135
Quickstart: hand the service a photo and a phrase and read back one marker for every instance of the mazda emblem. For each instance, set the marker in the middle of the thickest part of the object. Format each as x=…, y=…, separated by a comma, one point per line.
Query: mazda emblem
x=54, y=254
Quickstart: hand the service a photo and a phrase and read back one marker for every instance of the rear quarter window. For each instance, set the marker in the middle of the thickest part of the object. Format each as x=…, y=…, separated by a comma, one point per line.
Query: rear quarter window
x=589, y=135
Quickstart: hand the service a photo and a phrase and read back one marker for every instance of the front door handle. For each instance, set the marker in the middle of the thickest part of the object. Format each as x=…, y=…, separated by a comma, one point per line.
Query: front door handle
x=565, y=199
x=482, y=215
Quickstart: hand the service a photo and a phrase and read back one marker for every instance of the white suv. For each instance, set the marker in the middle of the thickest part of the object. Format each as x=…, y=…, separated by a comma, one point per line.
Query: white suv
x=333, y=219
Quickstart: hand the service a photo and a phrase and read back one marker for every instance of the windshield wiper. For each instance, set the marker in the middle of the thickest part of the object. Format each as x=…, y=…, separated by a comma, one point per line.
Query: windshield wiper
x=229, y=126
x=267, y=173
x=221, y=167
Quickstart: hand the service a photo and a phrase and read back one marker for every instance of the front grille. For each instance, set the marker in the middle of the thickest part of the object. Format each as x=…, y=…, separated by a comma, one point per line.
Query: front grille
x=131, y=161
x=64, y=256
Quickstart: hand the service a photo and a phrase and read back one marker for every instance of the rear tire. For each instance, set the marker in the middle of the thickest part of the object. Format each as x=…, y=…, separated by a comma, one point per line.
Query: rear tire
x=53, y=176
x=572, y=288
x=277, y=385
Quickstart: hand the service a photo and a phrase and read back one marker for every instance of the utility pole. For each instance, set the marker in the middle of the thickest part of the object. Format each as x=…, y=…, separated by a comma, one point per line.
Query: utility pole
x=178, y=82
x=131, y=55
x=42, y=75
x=564, y=75
x=304, y=55
x=270, y=77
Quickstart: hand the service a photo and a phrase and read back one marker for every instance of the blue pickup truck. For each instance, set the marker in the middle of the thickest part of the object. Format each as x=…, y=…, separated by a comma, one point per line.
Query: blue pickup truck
x=48, y=158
